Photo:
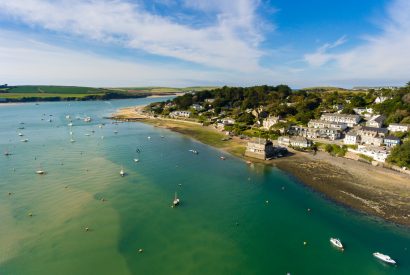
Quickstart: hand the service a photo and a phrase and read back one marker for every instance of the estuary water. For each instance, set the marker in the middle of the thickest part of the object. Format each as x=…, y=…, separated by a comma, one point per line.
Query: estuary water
x=233, y=218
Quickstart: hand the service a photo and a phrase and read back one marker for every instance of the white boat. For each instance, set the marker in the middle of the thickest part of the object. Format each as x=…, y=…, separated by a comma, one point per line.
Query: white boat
x=115, y=132
x=136, y=160
x=7, y=153
x=122, y=173
x=176, y=200
x=384, y=258
x=67, y=116
x=149, y=137
x=337, y=243
x=70, y=124
x=87, y=135
x=20, y=134
x=71, y=133
x=87, y=119
x=194, y=151
x=72, y=140
x=40, y=172
x=24, y=140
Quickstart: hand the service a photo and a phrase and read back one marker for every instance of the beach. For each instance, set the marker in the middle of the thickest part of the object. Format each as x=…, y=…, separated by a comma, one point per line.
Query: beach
x=375, y=191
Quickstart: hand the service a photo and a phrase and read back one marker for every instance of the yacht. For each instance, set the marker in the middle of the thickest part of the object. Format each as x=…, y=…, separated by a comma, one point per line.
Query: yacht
x=122, y=173
x=176, y=200
x=136, y=160
x=87, y=119
x=337, y=243
x=40, y=172
x=70, y=124
x=384, y=258
x=222, y=158
x=20, y=135
x=24, y=140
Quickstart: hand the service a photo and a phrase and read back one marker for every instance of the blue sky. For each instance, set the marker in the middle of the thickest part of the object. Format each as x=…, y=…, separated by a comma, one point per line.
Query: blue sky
x=196, y=42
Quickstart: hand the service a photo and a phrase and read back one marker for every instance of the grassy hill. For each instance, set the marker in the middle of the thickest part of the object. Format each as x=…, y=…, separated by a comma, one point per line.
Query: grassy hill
x=29, y=93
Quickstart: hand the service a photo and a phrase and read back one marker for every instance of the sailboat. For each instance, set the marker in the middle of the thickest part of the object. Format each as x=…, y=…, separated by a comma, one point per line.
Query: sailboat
x=176, y=200
x=7, y=153
x=122, y=173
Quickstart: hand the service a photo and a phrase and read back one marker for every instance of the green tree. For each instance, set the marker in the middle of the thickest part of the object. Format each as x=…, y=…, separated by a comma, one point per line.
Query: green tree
x=400, y=155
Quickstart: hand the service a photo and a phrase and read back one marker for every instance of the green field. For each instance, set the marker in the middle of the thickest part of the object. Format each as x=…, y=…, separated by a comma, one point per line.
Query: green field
x=55, y=93
x=45, y=95
x=55, y=90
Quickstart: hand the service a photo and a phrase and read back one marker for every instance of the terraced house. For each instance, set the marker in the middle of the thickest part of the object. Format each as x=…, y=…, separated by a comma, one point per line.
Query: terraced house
x=350, y=120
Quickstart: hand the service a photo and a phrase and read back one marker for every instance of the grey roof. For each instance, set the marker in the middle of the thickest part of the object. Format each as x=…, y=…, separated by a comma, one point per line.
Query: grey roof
x=374, y=129
x=378, y=118
x=392, y=138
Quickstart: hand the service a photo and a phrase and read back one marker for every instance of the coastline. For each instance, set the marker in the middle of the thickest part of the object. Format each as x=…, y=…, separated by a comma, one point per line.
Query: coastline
x=370, y=190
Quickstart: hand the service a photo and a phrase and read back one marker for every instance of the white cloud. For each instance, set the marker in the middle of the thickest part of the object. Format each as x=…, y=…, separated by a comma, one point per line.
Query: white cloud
x=383, y=57
x=231, y=42
x=27, y=61
x=321, y=56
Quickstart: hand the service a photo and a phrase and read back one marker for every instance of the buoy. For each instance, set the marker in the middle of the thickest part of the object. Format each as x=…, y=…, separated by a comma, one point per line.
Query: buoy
x=267, y=201
x=305, y=243
x=283, y=187
x=308, y=209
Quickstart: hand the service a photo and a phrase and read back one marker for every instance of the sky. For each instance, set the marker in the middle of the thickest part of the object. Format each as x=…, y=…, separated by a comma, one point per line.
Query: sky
x=179, y=43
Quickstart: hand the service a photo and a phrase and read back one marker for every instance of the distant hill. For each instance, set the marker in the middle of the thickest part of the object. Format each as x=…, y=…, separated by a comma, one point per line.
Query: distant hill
x=27, y=93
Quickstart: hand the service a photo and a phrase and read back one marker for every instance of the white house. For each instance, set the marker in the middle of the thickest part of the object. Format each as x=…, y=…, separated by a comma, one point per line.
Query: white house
x=269, y=122
x=197, y=107
x=396, y=127
x=350, y=120
x=377, y=153
x=313, y=123
x=294, y=141
x=391, y=141
x=176, y=114
x=372, y=135
x=364, y=111
x=381, y=99
x=376, y=121
x=351, y=138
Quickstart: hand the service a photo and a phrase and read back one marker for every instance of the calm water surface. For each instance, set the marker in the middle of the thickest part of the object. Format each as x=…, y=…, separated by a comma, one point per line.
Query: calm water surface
x=234, y=219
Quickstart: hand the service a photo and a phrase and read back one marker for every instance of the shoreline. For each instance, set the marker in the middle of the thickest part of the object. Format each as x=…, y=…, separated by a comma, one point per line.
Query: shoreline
x=365, y=188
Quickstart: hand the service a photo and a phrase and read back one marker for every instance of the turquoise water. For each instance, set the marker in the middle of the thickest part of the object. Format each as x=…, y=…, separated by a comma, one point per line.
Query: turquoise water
x=223, y=226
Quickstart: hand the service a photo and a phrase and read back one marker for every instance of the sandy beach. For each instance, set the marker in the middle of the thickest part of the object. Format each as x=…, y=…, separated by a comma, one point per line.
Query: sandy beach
x=371, y=190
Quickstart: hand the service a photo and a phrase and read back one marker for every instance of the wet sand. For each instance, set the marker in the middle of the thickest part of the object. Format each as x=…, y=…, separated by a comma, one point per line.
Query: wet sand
x=371, y=190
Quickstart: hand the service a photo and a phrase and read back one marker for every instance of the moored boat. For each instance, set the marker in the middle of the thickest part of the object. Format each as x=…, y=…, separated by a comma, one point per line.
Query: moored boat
x=384, y=258
x=122, y=173
x=176, y=200
x=337, y=243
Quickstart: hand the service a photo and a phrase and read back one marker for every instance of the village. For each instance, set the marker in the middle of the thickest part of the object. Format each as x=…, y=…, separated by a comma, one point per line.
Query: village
x=362, y=136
